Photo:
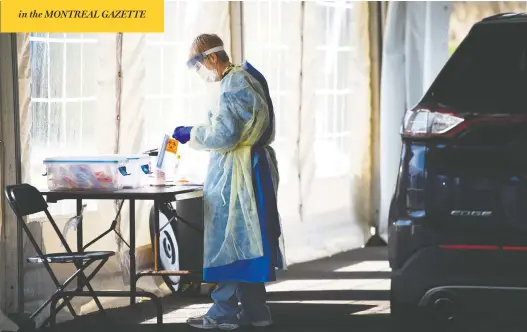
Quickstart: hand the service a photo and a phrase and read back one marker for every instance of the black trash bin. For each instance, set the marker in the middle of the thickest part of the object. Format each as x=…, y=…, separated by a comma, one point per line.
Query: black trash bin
x=181, y=243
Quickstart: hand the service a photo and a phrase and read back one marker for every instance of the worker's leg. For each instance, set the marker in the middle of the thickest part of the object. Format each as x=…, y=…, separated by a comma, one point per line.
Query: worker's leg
x=225, y=301
x=225, y=306
x=253, y=302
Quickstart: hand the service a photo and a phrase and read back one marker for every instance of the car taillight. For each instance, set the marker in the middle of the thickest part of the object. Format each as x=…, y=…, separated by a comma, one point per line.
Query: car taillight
x=422, y=122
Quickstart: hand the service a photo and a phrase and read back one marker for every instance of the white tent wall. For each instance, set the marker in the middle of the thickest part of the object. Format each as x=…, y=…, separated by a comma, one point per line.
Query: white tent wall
x=119, y=93
x=85, y=90
x=315, y=58
x=159, y=93
x=414, y=51
x=334, y=135
x=71, y=110
x=272, y=43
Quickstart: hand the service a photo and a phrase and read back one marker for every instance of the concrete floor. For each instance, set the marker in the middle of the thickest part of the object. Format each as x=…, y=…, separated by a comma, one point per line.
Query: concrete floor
x=347, y=292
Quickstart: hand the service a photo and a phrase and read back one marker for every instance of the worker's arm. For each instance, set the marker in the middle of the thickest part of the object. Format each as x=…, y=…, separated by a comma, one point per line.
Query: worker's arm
x=182, y=133
x=235, y=112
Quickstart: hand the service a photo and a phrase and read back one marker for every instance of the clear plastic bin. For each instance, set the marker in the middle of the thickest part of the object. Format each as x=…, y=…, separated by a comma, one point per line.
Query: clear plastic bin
x=86, y=172
x=137, y=169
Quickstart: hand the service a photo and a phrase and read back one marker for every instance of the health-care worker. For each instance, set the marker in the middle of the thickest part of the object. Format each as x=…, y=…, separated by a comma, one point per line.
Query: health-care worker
x=242, y=226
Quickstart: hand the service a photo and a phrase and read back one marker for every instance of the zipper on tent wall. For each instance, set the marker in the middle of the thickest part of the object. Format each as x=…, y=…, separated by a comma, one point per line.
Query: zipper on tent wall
x=118, y=96
x=299, y=131
x=118, y=89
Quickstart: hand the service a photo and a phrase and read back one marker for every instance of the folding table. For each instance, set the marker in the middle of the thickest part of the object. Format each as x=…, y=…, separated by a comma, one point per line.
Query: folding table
x=158, y=194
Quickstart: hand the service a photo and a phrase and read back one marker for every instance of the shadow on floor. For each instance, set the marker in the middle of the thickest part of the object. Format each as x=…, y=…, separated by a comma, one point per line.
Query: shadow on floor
x=287, y=317
x=336, y=295
x=314, y=275
x=291, y=310
x=290, y=316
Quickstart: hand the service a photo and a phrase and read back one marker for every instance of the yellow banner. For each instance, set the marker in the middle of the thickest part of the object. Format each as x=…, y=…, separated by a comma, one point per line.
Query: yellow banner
x=81, y=16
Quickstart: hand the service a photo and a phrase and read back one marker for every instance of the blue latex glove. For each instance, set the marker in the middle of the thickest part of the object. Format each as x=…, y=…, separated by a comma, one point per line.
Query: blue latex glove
x=182, y=134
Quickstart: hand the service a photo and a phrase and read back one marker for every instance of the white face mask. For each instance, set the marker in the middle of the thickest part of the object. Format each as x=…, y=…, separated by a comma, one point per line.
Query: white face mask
x=207, y=75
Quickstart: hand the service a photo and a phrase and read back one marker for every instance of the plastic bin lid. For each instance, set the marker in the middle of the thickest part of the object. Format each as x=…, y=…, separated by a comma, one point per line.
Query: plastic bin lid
x=134, y=156
x=87, y=159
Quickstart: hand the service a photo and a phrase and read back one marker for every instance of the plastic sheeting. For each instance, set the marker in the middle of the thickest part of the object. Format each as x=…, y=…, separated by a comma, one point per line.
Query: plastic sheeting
x=159, y=93
x=415, y=49
x=67, y=113
x=108, y=93
x=84, y=90
x=272, y=43
x=315, y=56
x=334, y=150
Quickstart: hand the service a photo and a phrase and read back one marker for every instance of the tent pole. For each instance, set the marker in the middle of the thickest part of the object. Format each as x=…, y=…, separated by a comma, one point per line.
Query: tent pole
x=375, y=21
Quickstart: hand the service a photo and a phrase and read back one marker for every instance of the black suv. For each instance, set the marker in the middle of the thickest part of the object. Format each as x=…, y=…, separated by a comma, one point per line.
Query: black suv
x=458, y=217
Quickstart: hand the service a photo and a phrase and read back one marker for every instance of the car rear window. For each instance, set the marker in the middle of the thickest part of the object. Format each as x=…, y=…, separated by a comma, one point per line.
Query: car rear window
x=488, y=72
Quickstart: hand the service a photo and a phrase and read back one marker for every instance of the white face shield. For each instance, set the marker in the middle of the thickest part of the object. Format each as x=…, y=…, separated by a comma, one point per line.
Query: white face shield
x=197, y=63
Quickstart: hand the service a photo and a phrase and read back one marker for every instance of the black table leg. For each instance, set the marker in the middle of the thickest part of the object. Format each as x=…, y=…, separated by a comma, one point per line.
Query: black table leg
x=80, y=244
x=133, y=276
x=156, y=235
x=20, y=262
